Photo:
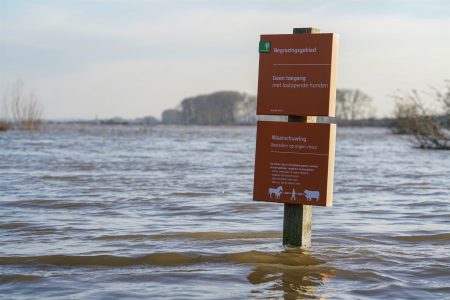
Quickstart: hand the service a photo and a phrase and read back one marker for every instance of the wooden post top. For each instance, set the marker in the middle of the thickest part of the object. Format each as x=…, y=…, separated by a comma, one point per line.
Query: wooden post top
x=306, y=30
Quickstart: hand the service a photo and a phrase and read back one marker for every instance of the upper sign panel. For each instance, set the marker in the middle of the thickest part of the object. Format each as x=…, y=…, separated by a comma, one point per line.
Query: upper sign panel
x=297, y=74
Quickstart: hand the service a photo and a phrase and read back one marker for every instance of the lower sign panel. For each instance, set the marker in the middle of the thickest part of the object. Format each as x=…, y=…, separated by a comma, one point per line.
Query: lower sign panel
x=294, y=163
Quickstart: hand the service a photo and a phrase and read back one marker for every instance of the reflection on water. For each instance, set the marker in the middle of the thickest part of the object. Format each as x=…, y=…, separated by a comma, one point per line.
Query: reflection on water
x=166, y=212
x=294, y=272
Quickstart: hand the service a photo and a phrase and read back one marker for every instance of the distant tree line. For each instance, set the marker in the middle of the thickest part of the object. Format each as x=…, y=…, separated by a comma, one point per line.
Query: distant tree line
x=230, y=107
x=352, y=106
x=220, y=108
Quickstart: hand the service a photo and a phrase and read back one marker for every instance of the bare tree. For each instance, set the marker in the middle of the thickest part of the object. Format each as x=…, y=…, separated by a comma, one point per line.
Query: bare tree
x=443, y=97
x=24, y=107
x=4, y=123
x=413, y=117
x=353, y=105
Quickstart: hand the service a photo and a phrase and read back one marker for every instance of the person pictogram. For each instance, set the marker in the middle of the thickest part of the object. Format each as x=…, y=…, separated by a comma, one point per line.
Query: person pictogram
x=293, y=194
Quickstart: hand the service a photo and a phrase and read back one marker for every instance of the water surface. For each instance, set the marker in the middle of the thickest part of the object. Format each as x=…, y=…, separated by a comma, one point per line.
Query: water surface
x=91, y=212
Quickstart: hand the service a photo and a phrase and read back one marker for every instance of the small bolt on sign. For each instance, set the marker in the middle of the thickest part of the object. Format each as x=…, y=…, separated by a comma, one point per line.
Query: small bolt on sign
x=264, y=47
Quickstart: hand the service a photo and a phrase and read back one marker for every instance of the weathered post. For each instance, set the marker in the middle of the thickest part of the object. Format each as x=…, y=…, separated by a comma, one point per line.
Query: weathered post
x=297, y=223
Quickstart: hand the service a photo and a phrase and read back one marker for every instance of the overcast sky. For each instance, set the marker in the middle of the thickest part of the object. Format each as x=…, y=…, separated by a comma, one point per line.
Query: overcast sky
x=135, y=58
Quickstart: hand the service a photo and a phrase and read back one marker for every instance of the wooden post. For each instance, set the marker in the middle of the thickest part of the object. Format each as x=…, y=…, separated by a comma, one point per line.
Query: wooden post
x=297, y=225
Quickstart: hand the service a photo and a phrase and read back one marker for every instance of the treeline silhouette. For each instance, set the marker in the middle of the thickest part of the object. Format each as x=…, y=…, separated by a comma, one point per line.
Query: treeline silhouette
x=353, y=107
x=219, y=108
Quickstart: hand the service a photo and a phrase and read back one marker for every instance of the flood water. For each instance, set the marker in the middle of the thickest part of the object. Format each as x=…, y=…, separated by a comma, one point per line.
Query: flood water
x=112, y=212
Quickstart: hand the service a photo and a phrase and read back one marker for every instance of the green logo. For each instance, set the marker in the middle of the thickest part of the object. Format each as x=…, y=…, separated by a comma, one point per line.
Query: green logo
x=264, y=47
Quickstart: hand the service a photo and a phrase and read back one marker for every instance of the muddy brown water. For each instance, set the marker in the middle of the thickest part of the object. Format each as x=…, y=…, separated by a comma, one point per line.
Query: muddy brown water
x=115, y=212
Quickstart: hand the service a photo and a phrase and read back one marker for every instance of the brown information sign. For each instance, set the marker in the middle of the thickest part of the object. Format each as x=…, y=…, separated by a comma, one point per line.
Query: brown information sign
x=297, y=74
x=294, y=163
